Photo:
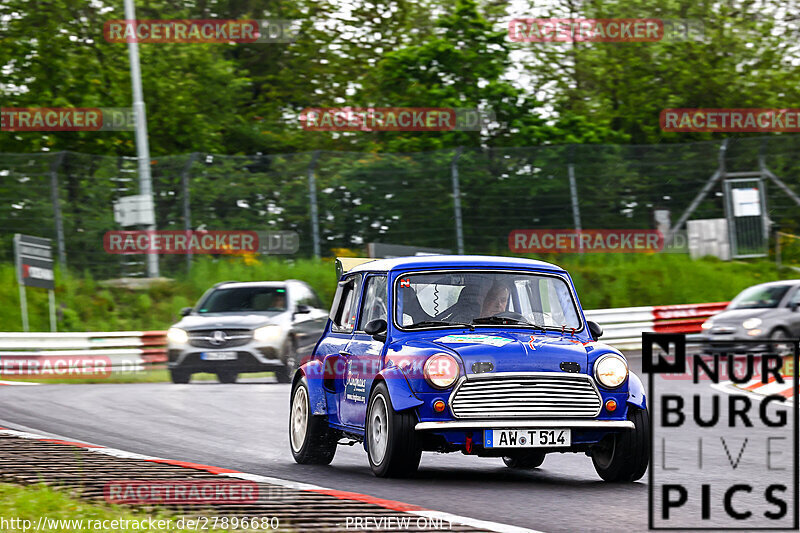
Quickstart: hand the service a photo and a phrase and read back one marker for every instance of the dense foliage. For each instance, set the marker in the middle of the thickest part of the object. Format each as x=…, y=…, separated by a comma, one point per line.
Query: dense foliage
x=245, y=98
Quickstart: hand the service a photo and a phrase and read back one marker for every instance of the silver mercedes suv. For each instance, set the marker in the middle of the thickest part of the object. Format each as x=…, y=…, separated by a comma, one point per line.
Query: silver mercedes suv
x=239, y=327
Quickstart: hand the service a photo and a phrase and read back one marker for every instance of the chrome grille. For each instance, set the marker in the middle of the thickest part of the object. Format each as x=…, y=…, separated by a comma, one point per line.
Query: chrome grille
x=233, y=337
x=528, y=395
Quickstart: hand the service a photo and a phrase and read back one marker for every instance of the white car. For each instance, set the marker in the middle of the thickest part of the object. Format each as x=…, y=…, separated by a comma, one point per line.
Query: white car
x=237, y=327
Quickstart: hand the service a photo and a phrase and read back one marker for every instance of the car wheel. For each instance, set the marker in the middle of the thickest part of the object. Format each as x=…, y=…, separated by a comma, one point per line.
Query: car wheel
x=310, y=437
x=392, y=444
x=780, y=348
x=285, y=373
x=525, y=461
x=227, y=376
x=179, y=376
x=624, y=457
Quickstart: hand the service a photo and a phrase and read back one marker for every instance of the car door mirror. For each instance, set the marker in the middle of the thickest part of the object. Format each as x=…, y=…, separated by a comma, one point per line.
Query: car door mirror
x=376, y=328
x=594, y=329
x=793, y=306
x=302, y=309
x=187, y=311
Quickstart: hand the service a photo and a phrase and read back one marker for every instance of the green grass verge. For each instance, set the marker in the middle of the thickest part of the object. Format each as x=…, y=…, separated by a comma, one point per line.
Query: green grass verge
x=602, y=280
x=61, y=512
x=627, y=280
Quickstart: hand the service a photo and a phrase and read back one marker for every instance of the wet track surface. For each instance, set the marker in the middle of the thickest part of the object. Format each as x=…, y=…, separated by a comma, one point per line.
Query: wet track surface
x=243, y=427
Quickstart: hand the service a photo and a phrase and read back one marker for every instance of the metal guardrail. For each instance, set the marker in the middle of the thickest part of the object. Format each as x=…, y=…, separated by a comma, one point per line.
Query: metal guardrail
x=134, y=350
x=121, y=350
x=623, y=327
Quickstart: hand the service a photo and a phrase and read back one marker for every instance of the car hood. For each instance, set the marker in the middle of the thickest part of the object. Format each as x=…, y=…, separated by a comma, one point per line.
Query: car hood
x=227, y=321
x=511, y=351
x=736, y=316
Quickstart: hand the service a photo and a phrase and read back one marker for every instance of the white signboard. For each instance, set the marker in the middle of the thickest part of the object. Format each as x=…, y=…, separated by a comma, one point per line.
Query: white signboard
x=746, y=202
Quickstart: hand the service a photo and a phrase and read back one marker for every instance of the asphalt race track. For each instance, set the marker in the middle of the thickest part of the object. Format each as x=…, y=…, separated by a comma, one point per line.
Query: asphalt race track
x=243, y=427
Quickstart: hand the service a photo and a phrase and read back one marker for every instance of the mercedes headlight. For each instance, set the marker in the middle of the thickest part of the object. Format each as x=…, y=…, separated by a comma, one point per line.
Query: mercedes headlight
x=751, y=323
x=269, y=333
x=177, y=335
x=611, y=371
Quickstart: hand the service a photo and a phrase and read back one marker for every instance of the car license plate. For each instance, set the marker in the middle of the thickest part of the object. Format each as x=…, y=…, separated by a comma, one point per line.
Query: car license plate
x=218, y=356
x=527, y=438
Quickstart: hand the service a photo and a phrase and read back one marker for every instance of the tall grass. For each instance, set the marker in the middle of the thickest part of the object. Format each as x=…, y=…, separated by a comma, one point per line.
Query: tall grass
x=602, y=280
x=623, y=280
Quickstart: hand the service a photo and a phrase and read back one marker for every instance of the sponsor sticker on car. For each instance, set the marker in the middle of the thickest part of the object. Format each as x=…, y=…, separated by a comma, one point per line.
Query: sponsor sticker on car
x=489, y=340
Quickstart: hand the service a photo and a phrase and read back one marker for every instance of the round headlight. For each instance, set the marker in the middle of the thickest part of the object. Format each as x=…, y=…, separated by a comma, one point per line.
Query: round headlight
x=267, y=333
x=441, y=371
x=751, y=323
x=611, y=371
x=177, y=335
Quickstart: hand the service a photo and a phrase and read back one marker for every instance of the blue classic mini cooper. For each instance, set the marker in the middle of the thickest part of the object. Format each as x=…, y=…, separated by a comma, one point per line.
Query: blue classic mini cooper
x=489, y=356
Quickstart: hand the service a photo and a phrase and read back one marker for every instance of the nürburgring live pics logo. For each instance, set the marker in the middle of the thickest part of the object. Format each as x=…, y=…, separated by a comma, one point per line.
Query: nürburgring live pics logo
x=722, y=458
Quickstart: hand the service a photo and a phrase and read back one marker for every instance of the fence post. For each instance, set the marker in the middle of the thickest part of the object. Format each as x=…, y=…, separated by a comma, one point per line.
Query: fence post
x=187, y=209
x=54, y=166
x=312, y=200
x=457, y=201
x=712, y=181
x=573, y=190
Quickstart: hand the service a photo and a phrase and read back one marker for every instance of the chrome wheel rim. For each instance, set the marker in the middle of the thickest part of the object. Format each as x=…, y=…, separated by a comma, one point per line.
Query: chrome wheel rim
x=299, y=419
x=378, y=429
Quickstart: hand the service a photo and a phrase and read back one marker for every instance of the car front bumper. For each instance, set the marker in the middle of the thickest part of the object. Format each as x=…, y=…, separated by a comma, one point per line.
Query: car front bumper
x=252, y=357
x=731, y=343
x=469, y=435
x=447, y=425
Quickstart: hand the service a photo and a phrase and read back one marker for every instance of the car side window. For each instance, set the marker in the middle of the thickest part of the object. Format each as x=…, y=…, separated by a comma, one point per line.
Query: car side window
x=344, y=316
x=374, y=306
x=795, y=299
x=303, y=295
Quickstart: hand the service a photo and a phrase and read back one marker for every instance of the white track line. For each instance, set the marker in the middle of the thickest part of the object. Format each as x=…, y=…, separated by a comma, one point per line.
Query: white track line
x=295, y=485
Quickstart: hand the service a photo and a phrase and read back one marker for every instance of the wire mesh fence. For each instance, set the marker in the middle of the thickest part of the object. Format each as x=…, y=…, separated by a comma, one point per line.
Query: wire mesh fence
x=347, y=199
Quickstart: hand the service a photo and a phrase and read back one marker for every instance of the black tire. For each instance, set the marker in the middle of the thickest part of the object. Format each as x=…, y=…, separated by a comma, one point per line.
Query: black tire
x=285, y=373
x=179, y=376
x=317, y=444
x=396, y=437
x=525, y=461
x=623, y=458
x=780, y=348
x=227, y=376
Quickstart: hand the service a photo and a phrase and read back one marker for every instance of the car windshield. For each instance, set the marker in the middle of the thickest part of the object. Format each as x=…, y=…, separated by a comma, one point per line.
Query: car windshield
x=759, y=297
x=484, y=298
x=244, y=300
